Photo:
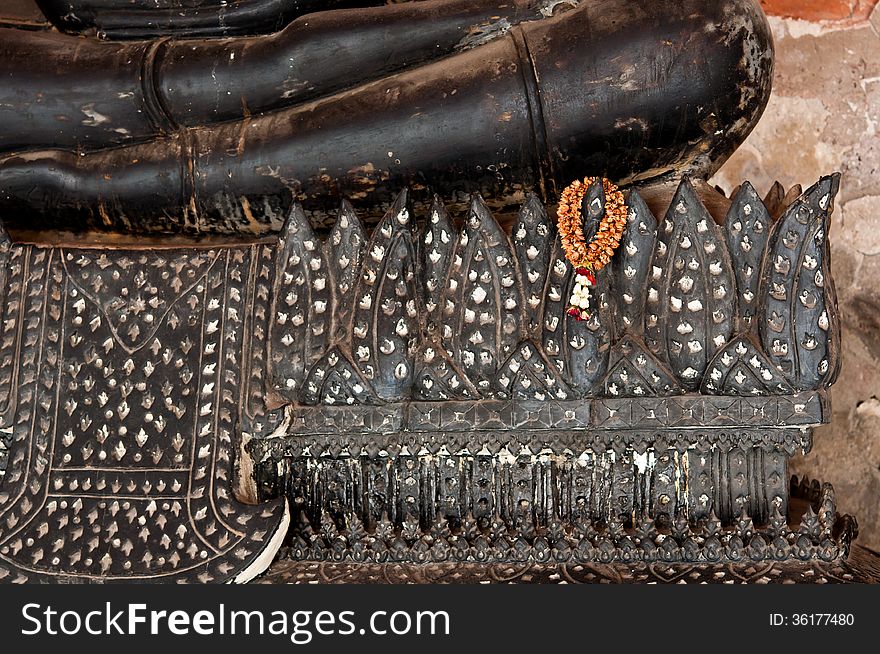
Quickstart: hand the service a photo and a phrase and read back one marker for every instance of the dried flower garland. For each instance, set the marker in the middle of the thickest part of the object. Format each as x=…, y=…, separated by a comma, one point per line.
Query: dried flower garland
x=588, y=258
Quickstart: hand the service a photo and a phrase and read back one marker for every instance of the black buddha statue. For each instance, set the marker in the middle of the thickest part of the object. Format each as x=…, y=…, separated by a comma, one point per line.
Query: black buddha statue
x=180, y=134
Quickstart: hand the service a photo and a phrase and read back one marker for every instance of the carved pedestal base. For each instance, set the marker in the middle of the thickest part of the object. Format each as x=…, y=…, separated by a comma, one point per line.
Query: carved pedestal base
x=862, y=566
x=540, y=461
x=819, y=535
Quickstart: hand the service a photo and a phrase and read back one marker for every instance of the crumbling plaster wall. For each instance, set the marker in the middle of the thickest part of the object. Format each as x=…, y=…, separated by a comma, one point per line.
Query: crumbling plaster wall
x=824, y=115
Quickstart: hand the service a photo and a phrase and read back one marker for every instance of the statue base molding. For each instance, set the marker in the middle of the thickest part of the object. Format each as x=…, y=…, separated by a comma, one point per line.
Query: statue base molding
x=820, y=535
x=861, y=567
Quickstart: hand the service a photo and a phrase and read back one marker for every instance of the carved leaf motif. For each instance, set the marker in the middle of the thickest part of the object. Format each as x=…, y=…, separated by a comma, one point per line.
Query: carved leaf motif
x=344, y=251
x=385, y=328
x=527, y=375
x=302, y=305
x=334, y=380
x=774, y=199
x=577, y=348
x=691, y=300
x=6, y=381
x=438, y=242
x=438, y=378
x=482, y=305
x=742, y=369
x=631, y=264
x=256, y=379
x=747, y=229
x=533, y=238
x=798, y=324
x=633, y=371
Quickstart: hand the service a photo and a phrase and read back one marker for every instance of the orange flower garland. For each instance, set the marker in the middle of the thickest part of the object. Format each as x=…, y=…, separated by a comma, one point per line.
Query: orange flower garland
x=589, y=258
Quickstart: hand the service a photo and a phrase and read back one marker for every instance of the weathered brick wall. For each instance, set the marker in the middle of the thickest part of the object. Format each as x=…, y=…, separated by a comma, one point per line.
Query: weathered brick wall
x=820, y=10
x=824, y=115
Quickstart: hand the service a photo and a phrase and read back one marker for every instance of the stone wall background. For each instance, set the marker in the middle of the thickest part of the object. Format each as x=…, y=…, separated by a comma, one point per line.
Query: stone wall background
x=824, y=116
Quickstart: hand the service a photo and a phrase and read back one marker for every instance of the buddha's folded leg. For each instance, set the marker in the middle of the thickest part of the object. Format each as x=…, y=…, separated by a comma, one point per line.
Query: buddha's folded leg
x=149, y=18
x=622, y=89
x=71, y=92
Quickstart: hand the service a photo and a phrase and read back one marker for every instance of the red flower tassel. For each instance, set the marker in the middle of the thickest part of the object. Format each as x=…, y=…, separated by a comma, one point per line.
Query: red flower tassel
x=578, y=314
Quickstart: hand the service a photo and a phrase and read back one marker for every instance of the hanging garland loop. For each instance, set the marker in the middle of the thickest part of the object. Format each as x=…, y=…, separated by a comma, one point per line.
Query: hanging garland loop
x=589, y=257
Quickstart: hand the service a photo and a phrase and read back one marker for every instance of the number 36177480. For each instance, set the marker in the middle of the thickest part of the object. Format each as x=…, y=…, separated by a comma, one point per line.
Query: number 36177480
x=812, y=620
